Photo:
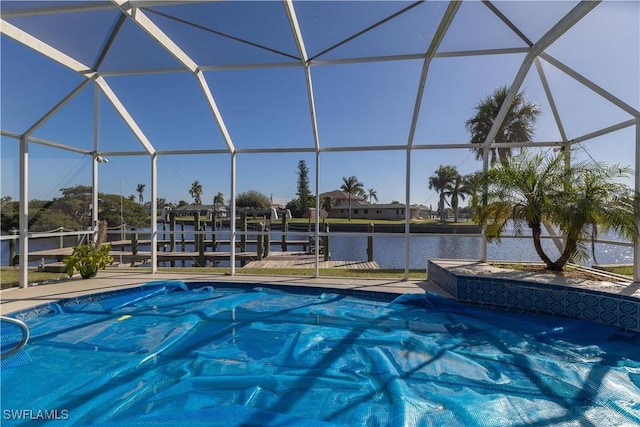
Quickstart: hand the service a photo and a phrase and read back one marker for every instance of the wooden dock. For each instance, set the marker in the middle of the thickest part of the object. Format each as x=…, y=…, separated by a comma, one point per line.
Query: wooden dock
x=273, y=260
x=304, y=260
x=123, y=252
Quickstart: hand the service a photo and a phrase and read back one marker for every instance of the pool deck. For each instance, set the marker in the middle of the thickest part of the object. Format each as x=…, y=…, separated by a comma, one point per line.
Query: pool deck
x=15, y=299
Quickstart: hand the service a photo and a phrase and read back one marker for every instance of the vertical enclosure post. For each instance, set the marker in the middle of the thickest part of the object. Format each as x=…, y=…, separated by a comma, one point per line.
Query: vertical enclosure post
x=24, y=212
x=154, y=213
x=636, y=247
x=232, y=219
x=370, y=242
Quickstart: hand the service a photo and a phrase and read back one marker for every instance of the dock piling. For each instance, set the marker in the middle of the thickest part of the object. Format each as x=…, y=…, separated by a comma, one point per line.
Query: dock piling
x=325, y=243
x=13, y=253
x=267, y=242
x=134, y=246
x=172, y=235
x=182, y=239
x=260, y=241
x=285, y=228
x=201, y=245
x=243, y=228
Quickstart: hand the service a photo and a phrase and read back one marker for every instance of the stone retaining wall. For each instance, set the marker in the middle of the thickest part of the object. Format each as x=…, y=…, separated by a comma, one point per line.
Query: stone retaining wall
x=539, y=298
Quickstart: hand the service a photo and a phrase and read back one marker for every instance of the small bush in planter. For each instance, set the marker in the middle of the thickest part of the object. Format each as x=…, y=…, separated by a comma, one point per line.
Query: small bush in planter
x=87, y=259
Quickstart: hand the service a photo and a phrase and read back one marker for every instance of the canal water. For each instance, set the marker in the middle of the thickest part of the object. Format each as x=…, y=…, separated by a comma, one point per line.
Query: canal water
x=389, y=251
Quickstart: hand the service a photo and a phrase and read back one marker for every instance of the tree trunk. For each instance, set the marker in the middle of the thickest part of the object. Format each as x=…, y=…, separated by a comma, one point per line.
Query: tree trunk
x=454, y=206
x=565, y=256
x=537, y=244
x=504, y=153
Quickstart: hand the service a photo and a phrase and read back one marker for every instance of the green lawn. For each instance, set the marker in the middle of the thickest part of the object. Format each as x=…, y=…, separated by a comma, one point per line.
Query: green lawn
x=625, y=270
x=10, y=277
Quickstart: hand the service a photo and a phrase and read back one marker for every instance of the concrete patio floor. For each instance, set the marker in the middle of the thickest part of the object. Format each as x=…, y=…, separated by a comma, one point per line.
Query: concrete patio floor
x=15, y=299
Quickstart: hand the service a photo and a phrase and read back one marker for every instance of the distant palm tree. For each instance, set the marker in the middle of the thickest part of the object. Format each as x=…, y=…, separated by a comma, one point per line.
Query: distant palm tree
x=218, y=199
x=140, y=190
x=196, y=192
x=531, y=190
x=456, y=190
x=516, y=127
x=327, y=203
x=440, y=182
x=372, y=194
x=351, y=186
x=473, y=184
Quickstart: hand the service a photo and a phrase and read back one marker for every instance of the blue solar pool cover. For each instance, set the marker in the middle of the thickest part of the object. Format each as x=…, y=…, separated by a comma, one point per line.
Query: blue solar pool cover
x=164, y=355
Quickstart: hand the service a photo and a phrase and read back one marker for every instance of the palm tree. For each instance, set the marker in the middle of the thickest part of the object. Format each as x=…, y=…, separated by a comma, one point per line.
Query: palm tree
x=327, y=203
x=473, y=184
x=516, y=127
x=578, y=199
x=351, y=186
x=372, y=194
x=218, y=199
x=140, y=190
x=440, y=182
x=196, y=192
x=456, y=190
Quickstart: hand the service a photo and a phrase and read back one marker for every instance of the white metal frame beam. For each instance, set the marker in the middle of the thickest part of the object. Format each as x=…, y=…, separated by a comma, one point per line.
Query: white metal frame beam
x=24, y=212
x=552, y=103
x=441, y=31
x=95, y=163
x=603, y=131
x=316, y=62
x=636, y=244
x=568, y=21
x=153, y=31
x=591, y=85
x=124, y=113
x=88, y=7
x=63, y=59
x=232, y=217
x=154, y=213
x=304, y=59
x=445, y=22
x=53, y=144
x=302, y=51
x=369, y=28
x=507, y=22
x=39, y=46
x=58, y=106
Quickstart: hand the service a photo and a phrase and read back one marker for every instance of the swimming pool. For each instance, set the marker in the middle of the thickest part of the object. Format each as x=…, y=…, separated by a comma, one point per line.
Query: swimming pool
x=170, y=353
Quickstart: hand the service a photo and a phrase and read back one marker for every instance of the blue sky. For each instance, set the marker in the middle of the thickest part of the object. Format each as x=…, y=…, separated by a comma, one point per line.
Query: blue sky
x=367, y=104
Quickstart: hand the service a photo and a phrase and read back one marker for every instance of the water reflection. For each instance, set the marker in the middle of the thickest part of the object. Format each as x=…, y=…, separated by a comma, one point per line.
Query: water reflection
x=389, y=251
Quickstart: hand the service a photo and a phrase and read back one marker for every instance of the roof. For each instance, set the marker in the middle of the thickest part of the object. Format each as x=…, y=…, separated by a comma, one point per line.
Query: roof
x=339, y=194
x=194, y=207
x=371, y=206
